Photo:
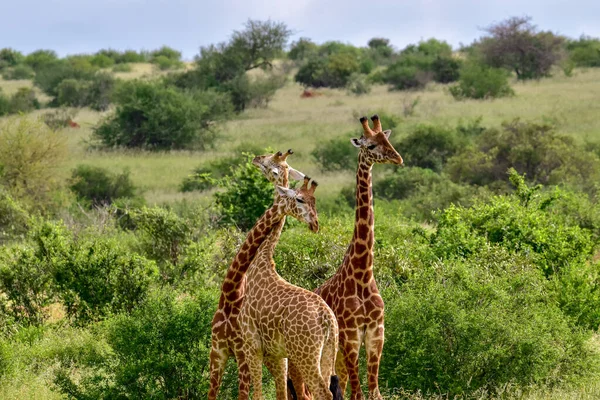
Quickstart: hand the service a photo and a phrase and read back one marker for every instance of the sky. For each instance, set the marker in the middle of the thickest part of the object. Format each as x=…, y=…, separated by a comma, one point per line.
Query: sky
x=85, y=26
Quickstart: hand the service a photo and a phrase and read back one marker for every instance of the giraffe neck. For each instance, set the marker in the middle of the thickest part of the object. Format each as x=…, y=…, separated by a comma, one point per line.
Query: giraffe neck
x=359, y=257
x=234, y=281
x=263, y=263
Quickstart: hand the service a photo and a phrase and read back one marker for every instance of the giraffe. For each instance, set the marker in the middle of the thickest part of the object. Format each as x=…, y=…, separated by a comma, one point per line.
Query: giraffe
x=279, y=320
x=352, y=292
x=226, y=336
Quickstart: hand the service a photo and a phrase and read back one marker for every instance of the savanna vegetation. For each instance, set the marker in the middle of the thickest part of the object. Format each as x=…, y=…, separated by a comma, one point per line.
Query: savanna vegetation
x=126, y=188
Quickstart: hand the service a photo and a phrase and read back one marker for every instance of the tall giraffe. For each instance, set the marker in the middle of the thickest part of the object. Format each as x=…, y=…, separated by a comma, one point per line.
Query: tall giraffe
x=352, y=292
x=226, y=336
x=279, y=320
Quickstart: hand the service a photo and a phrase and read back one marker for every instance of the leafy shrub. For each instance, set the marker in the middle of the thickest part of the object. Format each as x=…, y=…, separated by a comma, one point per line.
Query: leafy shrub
x=358, y=84
x=30, y=154
x=302, y=49
x=24, y=101
x=164, y=63
x=531, y=148
x=446, y=69
x=164, y=236
x=99, y=187
x=98, y=276
x=462, y=326
x=584, y=52
x=333, y=70
x=245, y=197
x=335, y=154
x=429, y=146
x=166, y=52
x=41, y=58
x=402, y=77
x=27, y=273
x=159, y=351
x=102, y=61
x=18, y=72
x=10, y=58
x=577, y=290
x=481, y=82
x=95, y=92
x=132, y=56
x=122, y=68
x=101, y=91
x=49, y=76
x=152, y=116
x=14, y=219
x=72, y=93
x=4, y=104
x=523, y=222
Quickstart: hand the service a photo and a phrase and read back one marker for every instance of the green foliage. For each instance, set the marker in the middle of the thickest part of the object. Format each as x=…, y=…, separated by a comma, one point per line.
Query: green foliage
x=403, y=77
x=446, y=69
x=480, y=323
x=153, y=116
x=24, y=101
x=302, y=49
x=102, y=61
x=95, y=93
x=523, y=223
x=132, y=56
x=166, y=52
x=584, y=52
x=14, y=219
x=20, y=71
x=358, y=84
x=58, y=118
x=40, y=59
x=246, y=195
x=330, y=71
x=49, y=76
x=577, y=289
x=4, y=104
x=10, y=58
x=163, y=237
x=336, y=154
x=533, y=149
x=164, y=63
x=480, y=82
x=98, y=276
x=159, y=351
x=99, y=187
x=30, y=154
x=429, y=146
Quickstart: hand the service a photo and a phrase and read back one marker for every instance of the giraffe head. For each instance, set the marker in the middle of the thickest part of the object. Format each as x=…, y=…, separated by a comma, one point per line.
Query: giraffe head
x=276, y=169
x=300, y=203
x=374, y=144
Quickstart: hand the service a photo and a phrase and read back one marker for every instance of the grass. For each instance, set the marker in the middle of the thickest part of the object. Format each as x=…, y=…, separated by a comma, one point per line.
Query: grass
x=573, y=104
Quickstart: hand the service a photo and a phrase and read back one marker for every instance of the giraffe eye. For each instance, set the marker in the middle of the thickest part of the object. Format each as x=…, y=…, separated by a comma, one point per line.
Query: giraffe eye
x=299, y=200
x=371, y=147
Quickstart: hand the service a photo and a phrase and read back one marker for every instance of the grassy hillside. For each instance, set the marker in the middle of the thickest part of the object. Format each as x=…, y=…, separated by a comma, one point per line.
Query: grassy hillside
x=572, y=103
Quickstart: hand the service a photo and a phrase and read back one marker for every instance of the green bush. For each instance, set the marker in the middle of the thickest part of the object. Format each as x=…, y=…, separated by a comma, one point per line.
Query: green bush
x=48, y=77
x=403, y=77
x=4, y=103
x=24, y=101
x=429, y=146
x=14, y=219
x=358, y=84
x=534, y=149
x=98, y=276
x=153, y=116
x=577, y=289
x=41, y=58
x=10, y=58
x=95, y=92
x=102, y=61
x=58, y=118
x=523, y=222
x=166, y=52
x=18, y=72
x=164, y=63
x=446, y=69
x=333, y=70
x=245, y=196
x=98, y=186
x=481, y=82
x=336, y=154
x=302, y=49
x=479, y=324
x=584, y=52
x=132, y=56
x=159, y=351
x=72, y=93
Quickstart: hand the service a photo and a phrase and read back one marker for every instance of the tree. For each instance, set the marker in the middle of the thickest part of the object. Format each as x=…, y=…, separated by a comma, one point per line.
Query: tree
x=517, y=45
x=302, y=49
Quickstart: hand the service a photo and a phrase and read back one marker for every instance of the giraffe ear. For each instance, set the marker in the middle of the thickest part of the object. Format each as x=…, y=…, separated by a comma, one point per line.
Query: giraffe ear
x=295, y=174
x=285, y=192
x=355, y=142
x=387, y=133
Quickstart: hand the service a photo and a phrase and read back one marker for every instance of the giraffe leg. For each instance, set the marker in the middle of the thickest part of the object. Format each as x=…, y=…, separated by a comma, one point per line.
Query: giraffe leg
x=254, y=359
x=218, y=360
x=351, y=346
x=299, y=386
x=374, y=346
x=277, y=368
x=243, y=376
x=319, y=388
x=341, y=372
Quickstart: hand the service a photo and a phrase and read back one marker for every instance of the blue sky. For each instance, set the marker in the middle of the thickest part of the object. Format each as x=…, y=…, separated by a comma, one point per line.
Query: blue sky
x=84, y=26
